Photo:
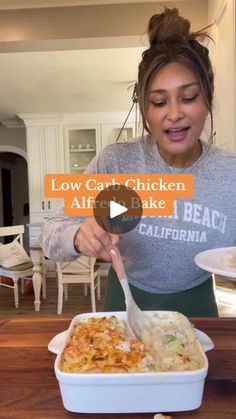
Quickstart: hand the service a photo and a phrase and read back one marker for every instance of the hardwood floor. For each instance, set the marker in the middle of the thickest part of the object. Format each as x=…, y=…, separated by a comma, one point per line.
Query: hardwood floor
x=78, y=303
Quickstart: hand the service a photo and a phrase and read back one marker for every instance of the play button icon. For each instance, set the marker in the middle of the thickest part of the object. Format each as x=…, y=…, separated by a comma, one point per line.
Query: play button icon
x=118, y=209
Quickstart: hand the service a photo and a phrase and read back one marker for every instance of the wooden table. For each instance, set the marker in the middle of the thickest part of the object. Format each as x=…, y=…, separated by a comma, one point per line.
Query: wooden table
x=36, y=256
x=29, y=389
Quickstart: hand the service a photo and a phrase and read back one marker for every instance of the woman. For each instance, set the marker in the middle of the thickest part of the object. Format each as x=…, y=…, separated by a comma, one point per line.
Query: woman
x=175, y=90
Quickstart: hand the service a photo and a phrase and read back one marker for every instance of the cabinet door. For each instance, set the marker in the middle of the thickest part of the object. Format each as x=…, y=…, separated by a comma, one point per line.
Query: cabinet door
x=53, y=162
x=45, y=155
x=35, y=167
x=112, y=132
x=81, y=147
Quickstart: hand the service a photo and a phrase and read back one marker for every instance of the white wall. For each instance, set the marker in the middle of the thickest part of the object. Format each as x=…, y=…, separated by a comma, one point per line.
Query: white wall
x=13, y=137
x=223, y=57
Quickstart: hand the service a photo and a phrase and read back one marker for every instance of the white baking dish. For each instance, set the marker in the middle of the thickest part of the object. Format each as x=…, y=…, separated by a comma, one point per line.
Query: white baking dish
x=129, y=392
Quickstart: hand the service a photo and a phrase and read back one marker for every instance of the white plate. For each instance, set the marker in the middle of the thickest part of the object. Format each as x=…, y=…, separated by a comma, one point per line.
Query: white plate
x=56, y=343
x=213, y=261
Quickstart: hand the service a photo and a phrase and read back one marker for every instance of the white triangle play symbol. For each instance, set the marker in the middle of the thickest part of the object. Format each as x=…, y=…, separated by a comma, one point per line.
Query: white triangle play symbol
x=116, y=209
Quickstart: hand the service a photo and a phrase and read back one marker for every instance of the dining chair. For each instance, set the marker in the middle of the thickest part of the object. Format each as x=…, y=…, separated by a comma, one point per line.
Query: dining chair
x=83, y=270
x=21, y=271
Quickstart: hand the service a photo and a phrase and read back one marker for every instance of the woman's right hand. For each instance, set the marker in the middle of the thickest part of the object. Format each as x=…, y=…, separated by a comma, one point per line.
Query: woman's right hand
x=91, y=240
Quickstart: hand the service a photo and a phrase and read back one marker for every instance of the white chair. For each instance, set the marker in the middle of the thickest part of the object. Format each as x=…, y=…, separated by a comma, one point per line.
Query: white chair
x=82, y=270
x=22, y=271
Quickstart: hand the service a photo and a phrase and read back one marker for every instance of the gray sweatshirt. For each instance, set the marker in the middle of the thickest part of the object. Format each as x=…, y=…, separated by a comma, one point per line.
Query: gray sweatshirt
x=159, y=253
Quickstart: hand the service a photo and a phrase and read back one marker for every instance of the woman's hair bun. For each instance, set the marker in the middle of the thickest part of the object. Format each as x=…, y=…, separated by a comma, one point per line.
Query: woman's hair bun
x=168, y=26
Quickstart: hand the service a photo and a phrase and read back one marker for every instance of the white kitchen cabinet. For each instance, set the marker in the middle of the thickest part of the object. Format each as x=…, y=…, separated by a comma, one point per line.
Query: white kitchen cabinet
x=111, y=131
x=59, y=143
x=87, y=134
x=83, y=143
x=45, y=154
x=81, y=146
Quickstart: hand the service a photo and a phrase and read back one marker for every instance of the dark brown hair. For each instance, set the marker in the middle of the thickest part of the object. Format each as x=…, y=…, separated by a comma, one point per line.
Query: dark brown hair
x=171, y=40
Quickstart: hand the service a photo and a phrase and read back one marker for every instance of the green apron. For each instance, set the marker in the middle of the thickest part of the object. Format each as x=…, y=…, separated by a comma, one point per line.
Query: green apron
x=196, y=302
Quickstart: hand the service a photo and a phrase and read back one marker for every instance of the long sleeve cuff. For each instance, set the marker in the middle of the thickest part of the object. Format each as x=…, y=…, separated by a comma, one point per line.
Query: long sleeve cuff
x=68, y=242
x=58, y=240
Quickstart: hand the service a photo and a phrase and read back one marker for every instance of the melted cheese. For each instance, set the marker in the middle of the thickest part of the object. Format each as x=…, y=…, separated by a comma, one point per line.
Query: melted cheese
x=101, y=345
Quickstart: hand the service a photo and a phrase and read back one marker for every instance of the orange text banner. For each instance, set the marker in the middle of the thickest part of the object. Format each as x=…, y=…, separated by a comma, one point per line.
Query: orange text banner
x=156, y=191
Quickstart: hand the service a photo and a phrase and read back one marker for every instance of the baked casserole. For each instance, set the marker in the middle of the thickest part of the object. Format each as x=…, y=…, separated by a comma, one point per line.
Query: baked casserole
x=103, y=345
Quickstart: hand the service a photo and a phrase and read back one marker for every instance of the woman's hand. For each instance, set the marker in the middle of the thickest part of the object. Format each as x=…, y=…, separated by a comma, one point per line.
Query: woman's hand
x=92, y=240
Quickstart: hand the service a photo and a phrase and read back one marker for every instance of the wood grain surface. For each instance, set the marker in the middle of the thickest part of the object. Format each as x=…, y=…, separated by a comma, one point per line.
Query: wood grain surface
x=29, y=389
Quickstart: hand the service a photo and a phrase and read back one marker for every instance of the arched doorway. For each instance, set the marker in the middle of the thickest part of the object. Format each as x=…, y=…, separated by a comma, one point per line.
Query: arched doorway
x=14, y=196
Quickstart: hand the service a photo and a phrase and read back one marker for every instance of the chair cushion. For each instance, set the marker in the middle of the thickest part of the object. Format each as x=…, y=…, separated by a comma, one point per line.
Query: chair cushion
x=13, y=254
x=18, y=268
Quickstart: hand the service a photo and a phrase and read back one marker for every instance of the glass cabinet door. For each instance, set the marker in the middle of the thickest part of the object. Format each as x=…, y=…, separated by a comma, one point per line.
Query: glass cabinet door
x=82, y=148
x=110, y=133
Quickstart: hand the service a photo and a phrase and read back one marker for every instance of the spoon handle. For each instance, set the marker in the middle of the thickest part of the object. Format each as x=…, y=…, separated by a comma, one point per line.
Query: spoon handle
x=118, y=266
x=118, y=263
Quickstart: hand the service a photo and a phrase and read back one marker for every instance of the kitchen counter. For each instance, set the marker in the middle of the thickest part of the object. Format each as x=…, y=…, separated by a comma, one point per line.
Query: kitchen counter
x=29, y=389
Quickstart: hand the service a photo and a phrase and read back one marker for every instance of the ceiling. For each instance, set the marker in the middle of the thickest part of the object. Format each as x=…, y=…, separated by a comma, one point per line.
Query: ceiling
x=28, y=4
x=88, y=76
x=67, y=81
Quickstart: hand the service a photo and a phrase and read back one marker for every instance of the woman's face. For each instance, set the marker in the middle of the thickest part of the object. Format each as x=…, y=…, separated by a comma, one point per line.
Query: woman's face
x=176, y=111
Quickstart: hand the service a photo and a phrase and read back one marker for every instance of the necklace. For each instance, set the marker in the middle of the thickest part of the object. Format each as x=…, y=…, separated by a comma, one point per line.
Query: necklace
x=194, y=157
